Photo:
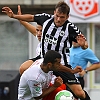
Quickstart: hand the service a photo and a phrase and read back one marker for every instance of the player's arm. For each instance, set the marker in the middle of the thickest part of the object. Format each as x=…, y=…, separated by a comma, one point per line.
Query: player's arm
x=46, y=92
x=76, y=36
x=90, y=68
x=58, y=82
x=95, y=63
x=67, y=69
x=93, y=67
x=81, y=40
x=24, y=17
x=27, y=25
x=39, y=18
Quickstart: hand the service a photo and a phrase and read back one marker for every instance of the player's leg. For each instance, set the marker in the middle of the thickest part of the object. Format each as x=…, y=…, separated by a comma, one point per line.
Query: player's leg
x=25, y=66
x=73, y=84
x=81, y=80
x=77, y=90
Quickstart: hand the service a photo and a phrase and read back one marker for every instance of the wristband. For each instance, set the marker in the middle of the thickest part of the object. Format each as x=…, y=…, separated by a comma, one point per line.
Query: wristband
x=86, y=71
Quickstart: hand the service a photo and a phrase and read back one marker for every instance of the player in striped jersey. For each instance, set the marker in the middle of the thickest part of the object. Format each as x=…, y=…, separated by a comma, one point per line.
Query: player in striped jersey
x=37, y=31
x=58, y=34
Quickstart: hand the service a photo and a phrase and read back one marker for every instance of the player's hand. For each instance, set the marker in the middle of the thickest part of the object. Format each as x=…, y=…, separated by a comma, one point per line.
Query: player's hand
x=19, y=10
x=19, y=13
x=58, y=82
x=8, y=11
x=82, y=73
x=77, y=69
x=82, y=41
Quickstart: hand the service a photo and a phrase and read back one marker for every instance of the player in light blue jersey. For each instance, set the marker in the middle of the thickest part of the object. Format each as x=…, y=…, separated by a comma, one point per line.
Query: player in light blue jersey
x=80, y=57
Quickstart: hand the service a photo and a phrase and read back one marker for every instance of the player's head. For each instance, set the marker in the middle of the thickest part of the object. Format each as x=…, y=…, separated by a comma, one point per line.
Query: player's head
x=53, y=59
x=51, y=56
x=61, y=13
x=39, y=32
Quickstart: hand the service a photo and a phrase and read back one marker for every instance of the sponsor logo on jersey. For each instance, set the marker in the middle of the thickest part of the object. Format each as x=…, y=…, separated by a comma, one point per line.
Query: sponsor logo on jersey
x=50, y=39
x=62, y=33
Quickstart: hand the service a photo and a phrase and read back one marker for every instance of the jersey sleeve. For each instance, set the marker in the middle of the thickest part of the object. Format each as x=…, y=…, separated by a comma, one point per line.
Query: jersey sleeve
x=73, y=32
x=41, y=18
x=91, y=57
x=35, y=87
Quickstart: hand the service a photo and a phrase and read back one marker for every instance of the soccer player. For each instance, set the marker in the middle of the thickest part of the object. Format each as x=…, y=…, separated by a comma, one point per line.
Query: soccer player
x=81, y=57
x=35, y=81
x=37, y=32
x=57, y=34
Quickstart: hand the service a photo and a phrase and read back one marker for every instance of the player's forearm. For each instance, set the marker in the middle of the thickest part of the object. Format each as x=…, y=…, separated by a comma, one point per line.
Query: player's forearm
x=65, y=69
x=26, y=17
x=46, y=92
x=29, y=27
x=93, y=67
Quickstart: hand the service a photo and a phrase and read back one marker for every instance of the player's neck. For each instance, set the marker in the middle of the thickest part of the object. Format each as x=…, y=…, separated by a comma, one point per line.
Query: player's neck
x=44, y=68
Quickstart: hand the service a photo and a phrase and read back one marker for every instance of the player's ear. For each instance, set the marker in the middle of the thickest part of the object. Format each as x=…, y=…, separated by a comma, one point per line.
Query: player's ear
x=67, y=16
x=49, y=65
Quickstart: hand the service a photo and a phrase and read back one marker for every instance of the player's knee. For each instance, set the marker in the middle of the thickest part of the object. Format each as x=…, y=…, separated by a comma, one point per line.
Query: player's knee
x=25, y=66
x=21, y=69
x=80, y=94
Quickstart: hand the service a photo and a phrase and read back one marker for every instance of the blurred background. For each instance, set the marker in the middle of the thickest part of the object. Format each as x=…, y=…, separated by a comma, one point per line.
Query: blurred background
x=18, y=45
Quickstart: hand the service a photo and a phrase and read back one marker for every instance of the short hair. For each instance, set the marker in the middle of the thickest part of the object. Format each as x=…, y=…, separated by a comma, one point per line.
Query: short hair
x=51, y=56
x=63, y=7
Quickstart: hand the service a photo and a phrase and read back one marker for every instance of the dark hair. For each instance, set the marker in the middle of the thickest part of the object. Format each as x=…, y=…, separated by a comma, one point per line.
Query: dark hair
x=62, y=7
x=51, y=56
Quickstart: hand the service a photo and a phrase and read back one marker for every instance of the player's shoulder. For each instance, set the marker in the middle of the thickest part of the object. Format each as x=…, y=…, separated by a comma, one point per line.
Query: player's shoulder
x=41, y=18
x=70, y=23
x=39, y=61
x=44, y=14
x=72, y=28
x=89, y=51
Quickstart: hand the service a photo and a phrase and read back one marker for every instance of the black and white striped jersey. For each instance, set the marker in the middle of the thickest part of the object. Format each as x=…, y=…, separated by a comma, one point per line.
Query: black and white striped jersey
x=56, y=38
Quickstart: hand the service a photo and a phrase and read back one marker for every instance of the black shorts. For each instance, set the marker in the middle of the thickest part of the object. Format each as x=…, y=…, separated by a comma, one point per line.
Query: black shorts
x=81, y=80
x=67, y=77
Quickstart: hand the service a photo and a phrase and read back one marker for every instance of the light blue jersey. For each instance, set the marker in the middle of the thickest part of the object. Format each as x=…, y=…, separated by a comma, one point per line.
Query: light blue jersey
x=80, y=57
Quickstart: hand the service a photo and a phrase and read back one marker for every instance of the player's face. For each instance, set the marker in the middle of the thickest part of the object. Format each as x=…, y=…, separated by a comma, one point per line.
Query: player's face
x=39, y=32
x=59, y=18
x=56, y=65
